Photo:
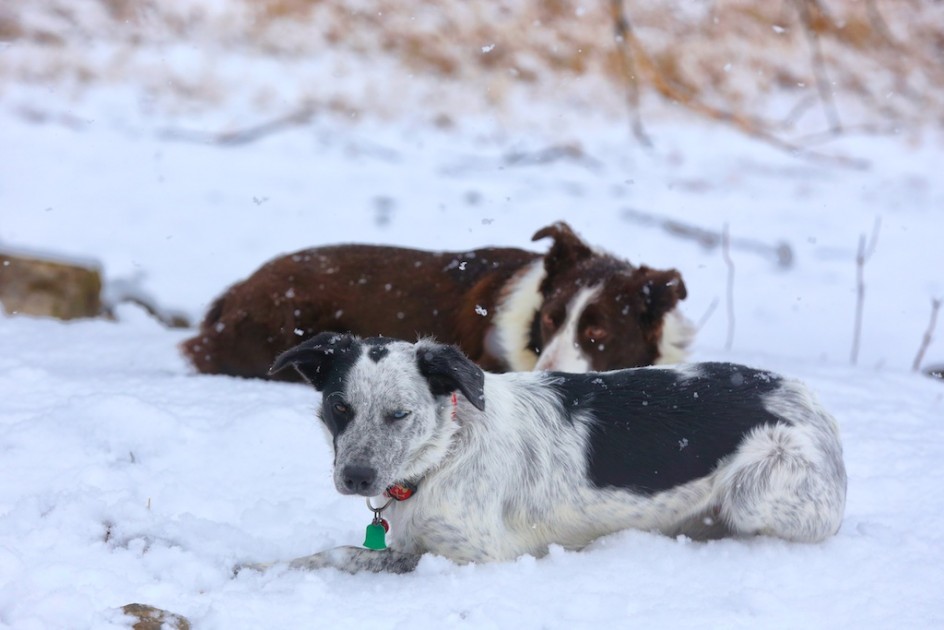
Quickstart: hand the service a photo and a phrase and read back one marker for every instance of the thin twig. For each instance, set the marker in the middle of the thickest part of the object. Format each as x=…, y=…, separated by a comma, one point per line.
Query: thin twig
x=623, y=31
x=554, y=153
x=244, y=136
x=928, y=335
x=863, y=254
x=823, y=137
x=819, y=65
x=860, y=300
x=878, y=22
x=797, y=111
x=780, y=252
x=707, y=315
x=726, y=253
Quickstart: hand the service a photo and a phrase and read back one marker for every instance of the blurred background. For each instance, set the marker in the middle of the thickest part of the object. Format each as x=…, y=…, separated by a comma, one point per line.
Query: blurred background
x=796, y=66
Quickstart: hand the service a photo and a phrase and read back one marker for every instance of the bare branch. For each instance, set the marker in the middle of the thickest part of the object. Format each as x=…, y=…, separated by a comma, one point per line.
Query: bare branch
x=819, y=63
x=623, y=32
x=238, y=137
x=797, y=111
x=878, y=22
x=707, y=314
x=821, y=137
x=928, y=335
x=781, y=252
x=860, y=300
x=864, y=253
x=726, y=253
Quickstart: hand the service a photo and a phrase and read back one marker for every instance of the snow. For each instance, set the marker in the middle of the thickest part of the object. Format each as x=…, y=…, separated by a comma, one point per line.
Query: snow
x=127, y=478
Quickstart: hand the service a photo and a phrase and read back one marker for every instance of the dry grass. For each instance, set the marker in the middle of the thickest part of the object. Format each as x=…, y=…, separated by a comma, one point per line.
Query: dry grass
x=779, y=62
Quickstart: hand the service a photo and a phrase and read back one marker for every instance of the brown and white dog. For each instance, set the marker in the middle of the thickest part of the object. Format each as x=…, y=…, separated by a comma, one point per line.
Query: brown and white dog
x=573, y=309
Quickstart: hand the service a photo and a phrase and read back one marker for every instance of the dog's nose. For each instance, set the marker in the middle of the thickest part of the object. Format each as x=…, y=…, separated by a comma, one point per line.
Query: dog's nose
x=358, y=478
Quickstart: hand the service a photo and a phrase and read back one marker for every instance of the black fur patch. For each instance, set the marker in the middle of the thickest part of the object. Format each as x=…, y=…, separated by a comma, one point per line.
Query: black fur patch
x=377, y=348
x=446, y=370
x=334, y=388
x=652, y=429
x=325, y=360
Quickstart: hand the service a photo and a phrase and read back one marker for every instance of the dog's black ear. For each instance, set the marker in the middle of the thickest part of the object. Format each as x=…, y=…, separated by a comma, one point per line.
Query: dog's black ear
x=314, y=358
x=661, y=290
x=447, y=370
x=566, y=251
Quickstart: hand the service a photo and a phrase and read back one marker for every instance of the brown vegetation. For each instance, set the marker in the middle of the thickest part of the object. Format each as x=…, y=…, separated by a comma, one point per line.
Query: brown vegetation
x=798, y=64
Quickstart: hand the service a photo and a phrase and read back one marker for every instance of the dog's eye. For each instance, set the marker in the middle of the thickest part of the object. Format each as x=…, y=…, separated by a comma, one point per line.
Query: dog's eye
x=596, y=333
x=341, y=408
x=399, y=414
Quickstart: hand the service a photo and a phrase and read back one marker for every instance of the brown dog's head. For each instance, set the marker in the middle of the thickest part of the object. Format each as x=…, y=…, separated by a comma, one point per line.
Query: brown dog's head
x=601, y=313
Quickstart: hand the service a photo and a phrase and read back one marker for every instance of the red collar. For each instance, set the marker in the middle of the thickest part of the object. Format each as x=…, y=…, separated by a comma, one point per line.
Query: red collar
x=400, y=491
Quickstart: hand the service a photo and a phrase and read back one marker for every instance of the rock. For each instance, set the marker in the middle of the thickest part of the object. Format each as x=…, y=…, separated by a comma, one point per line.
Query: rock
x=151, y=618
x=44, y=286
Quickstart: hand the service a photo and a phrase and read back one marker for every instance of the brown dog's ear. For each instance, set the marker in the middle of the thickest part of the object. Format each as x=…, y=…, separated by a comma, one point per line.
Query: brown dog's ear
x=567, y=249
x=661, y=290
x=447, y=370
x=314, y=358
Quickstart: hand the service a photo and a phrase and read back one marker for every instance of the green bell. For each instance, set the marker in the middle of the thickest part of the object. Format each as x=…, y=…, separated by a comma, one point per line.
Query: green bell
x=376, y=536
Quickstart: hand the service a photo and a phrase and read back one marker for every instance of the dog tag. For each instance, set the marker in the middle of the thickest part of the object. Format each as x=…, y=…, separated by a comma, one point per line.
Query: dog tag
x=376, y=536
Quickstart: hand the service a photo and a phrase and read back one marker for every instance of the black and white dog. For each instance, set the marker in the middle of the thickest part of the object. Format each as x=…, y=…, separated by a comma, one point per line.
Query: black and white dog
x=524, y=460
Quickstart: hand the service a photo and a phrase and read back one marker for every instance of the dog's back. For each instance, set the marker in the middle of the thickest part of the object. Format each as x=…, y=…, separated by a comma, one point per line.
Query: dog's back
x=373, y=290
x=654, y=429
x=735, y=449
x=706, y=451
x=573, y=308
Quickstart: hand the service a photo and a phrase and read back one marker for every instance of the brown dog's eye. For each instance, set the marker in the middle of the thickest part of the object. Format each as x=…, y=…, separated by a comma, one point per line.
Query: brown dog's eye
x=596, y=333
x=341, y=408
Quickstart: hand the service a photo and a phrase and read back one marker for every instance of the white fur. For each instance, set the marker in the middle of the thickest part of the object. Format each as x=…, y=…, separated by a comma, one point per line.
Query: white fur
x=677, y=335
x=512, y=479
x=509, y=335
x=784, y=476
x=511, y=326
x=564, y=353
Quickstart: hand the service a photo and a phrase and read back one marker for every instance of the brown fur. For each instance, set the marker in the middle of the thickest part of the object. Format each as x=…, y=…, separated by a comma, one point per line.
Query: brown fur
x=404, y=293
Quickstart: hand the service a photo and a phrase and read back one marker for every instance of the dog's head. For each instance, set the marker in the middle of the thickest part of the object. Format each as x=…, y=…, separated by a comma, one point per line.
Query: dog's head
x=602, y=313
x=386, y=404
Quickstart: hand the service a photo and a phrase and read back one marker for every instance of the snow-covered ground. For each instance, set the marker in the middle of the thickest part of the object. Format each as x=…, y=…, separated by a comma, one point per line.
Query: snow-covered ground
x=126, y=478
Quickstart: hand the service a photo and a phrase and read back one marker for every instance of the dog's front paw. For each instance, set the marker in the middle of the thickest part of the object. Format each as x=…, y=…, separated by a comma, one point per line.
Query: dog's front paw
x=357, y=559
x=261, y=567
x=344, y=558
x=338, y=558
x=320, y=560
